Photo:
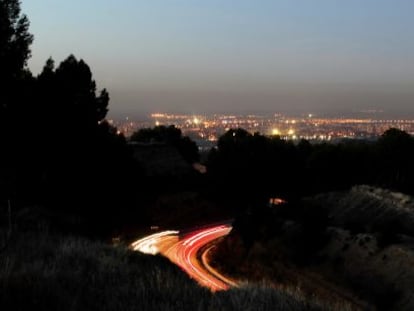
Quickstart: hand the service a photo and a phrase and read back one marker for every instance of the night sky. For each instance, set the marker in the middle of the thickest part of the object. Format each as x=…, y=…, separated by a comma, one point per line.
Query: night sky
x=235, y=56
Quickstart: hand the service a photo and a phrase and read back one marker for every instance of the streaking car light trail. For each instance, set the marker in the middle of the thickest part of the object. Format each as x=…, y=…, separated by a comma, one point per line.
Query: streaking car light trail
x=184, y=251
x=148, y=244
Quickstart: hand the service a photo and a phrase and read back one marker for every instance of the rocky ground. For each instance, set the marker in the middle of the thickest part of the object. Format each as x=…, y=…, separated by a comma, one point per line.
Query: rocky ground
x=350, y=248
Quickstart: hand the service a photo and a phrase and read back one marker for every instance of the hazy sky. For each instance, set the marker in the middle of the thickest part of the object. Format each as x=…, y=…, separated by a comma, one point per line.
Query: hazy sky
x=235, y=55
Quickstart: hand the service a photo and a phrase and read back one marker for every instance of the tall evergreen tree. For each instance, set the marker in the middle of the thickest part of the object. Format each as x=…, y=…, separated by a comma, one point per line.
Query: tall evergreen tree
x=15, y=41
x=77, y=93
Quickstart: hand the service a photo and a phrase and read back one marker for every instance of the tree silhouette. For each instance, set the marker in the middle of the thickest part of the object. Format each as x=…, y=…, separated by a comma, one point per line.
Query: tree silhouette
x=169, y=135
x=70, y=93
x=89, y=151
x=248, y=167
x=395, y=138
x=88, y=168
x=15, y=40
x=396, y=151
x=15, y=84
x=243, y=168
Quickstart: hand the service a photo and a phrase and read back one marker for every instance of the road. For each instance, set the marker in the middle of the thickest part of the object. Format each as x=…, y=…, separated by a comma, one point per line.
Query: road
x=190, y=251
x=185, y=251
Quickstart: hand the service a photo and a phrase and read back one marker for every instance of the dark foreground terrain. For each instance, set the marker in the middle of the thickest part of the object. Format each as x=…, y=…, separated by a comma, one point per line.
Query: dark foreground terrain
x=355, y=246
x=41, y=270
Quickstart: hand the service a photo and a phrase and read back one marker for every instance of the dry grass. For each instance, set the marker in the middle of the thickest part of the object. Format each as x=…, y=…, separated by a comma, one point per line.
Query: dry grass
x=39, y=271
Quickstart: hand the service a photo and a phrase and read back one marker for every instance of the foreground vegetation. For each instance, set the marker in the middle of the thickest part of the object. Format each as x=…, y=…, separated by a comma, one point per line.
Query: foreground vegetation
x=248, y=169
x=355, y=246
x=44, y=271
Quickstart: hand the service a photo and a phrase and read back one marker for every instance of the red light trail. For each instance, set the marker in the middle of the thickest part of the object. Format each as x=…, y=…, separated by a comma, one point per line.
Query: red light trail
x=185, y=251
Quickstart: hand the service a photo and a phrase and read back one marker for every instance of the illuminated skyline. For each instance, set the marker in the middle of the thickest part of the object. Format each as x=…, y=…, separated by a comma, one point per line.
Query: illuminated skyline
x=238, y=56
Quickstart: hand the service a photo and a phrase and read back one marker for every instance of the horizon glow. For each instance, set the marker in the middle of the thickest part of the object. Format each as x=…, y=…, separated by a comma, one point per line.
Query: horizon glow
x=239, y=56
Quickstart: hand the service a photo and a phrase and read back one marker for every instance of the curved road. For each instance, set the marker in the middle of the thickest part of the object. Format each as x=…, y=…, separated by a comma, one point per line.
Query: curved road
x=183, y=250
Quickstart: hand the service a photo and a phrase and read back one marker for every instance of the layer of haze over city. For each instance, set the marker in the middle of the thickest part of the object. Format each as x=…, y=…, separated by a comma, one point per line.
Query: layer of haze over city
x=322, y=56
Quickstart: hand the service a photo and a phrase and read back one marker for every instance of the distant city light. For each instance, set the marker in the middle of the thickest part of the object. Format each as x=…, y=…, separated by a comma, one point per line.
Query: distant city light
x=275, y=132
x=206, y=130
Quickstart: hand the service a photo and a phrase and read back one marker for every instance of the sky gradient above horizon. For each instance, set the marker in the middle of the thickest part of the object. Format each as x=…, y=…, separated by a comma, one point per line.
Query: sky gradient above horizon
x=235, y=56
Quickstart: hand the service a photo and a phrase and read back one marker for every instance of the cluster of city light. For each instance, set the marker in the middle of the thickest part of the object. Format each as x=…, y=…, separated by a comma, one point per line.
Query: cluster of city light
x=275, y=132
x=208, y=128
